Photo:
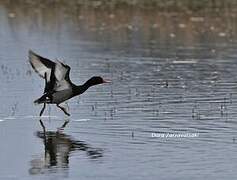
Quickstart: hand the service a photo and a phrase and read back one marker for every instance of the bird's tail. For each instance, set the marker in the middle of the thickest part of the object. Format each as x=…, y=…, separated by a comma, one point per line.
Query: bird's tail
x=42, y=99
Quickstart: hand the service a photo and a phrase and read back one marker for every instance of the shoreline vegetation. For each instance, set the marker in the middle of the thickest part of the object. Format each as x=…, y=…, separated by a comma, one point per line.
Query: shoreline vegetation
x=129, y=23
x=161, y=5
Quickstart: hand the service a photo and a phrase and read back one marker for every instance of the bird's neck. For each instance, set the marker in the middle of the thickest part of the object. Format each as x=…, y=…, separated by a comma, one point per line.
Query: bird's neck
x=81, y=88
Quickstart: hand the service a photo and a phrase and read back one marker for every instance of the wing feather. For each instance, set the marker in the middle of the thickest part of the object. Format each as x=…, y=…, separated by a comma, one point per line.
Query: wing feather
x=56, y=73
x=61, y=74
x=41, y=65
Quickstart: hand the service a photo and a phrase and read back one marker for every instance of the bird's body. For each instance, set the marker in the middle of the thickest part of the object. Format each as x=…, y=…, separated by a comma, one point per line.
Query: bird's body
x=58, y=86
x=56, y=97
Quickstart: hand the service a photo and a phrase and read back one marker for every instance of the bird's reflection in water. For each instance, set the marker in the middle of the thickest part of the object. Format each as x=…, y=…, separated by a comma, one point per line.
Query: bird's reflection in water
x=58, y=147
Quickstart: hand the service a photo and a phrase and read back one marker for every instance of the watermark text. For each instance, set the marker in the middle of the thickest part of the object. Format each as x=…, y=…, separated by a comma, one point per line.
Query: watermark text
x=174, y=135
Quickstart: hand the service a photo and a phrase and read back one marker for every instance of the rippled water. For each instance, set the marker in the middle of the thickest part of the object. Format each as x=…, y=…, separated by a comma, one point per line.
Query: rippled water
x=172, y=73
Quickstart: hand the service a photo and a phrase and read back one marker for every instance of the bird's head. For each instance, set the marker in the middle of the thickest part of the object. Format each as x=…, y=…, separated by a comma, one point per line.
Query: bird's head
x=96, y=80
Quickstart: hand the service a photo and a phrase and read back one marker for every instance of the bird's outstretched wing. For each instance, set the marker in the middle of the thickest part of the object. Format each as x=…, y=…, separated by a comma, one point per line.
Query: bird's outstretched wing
x=61, y=74
x=56, y=74
x=41, y=65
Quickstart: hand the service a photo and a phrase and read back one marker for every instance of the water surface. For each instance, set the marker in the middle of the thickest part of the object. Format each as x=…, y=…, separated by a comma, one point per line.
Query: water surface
x=172, y=72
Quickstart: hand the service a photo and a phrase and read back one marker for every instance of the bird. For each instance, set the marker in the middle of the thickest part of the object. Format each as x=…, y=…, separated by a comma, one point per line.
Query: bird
x=58, y=86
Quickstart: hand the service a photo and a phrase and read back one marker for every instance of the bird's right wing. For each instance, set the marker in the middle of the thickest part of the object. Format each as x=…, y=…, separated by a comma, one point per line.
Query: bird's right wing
x=41, y=65
x=61, y=73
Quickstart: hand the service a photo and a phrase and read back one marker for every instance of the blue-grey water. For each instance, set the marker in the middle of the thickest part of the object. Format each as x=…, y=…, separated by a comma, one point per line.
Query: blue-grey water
x=172, y=74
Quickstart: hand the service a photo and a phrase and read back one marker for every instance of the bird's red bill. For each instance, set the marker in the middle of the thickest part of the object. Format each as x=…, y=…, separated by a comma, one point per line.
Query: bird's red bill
x=106, y=81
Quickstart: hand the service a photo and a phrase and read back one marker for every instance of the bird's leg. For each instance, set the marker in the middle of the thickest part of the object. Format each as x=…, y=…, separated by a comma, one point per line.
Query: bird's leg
x=63, y=109
x=45, y=78
x=42, y=124
x=42, y=110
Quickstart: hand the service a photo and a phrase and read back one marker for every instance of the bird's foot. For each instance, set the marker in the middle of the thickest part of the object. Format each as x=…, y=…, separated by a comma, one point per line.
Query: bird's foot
x=60, y=129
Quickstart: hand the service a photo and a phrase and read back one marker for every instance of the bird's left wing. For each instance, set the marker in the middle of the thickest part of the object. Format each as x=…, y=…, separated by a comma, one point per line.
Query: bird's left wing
x=41, y=65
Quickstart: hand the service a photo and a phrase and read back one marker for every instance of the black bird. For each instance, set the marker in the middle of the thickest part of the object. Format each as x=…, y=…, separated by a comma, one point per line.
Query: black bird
x=58, y=86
